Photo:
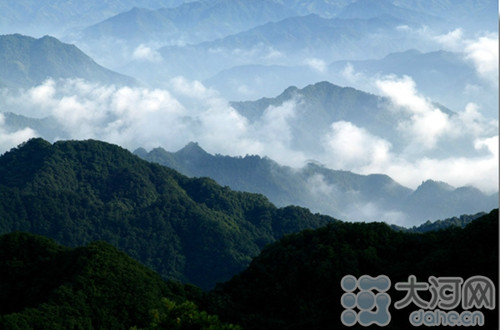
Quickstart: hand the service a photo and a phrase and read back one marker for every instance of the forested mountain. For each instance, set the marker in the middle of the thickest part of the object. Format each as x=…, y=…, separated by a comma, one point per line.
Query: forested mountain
x=460, y=221
x=187, y=229
x=47, y=286
x=26, y=61
x=341, y=194
x=295, y=282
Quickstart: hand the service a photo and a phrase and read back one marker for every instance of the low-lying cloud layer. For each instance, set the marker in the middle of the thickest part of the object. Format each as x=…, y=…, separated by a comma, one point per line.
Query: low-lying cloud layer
x=188, y=111
x=426, y=129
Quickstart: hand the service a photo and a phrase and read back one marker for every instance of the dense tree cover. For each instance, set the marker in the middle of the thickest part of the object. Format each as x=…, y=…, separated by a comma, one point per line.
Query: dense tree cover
x=177, y=316
x=192, y=230
x=295, y=282
x=46, y=286
x=460, y=221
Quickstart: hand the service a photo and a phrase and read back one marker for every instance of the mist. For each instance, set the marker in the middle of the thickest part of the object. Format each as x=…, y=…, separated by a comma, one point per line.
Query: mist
x=189, y=111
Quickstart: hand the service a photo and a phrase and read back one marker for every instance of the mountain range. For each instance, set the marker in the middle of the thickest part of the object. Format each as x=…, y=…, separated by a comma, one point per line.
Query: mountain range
x=430, y=71
x=186, y=229
x=97, y=286
x=287, y=42
x=26, y=62
x=64, y=16
x=316, y=107
x=341, y=194
x=191, y=22
x=59, y=17
x=269, y=33
x=310, y=111
x=303, y=272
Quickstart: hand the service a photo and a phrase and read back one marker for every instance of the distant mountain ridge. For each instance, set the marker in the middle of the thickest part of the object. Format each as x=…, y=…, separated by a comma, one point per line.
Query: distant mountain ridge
x=317, y=106
x=429, y=70
x=61, y=16
x=26, y=61
x=190, y=22
x=290, y=41
x=341, y=194
x=460, y=221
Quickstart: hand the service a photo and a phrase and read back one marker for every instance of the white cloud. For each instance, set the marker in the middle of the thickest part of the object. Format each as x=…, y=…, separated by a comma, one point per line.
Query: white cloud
x=354, y=147
x=350, y=74
x=316, y=64
x=479, y=171
x=484, y=54
x=372, y=212
x=426, y=123
x=451, y=40
x=11, y=138
x=146, y=53
x=273, y=134
x=319, y=187
x=481, y=51
x=472, y=122
x=193, y=89
x=136, y=116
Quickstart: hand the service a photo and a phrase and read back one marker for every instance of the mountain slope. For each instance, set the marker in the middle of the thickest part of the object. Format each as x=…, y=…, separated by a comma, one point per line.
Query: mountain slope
x=96, y=286
x=317, y=106
x=188, y=229
x=303, y=272
x=26, y=61
x=291, y=41
x=191, y=22
x=59, y=16
x=369, y=9
x=460, y=221
x=341, y=194
x=431, y=72
x=469, y=14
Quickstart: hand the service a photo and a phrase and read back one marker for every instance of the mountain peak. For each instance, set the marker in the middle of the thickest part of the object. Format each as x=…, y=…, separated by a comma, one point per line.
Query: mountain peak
x=192, y=149
x=27, y=61
x=430, y=185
